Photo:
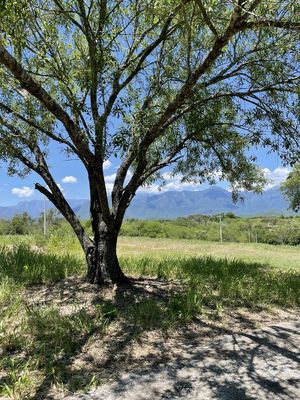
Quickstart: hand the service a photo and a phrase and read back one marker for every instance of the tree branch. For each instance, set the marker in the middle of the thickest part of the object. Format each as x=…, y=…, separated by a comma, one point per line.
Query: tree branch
x=272, y=24
x=36, y=90
x=206, y=17
x=38, y=127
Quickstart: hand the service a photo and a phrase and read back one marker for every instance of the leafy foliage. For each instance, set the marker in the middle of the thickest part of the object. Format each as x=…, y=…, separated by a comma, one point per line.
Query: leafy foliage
x=193, y=86
x=132, y=59
x=272, y=230
x=291, y=188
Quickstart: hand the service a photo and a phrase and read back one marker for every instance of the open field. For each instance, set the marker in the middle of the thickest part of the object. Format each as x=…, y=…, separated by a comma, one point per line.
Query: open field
x=60, y=335
x=283, y=257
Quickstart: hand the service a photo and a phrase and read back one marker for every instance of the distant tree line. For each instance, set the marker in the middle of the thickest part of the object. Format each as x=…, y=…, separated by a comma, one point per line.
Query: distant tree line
x=23, y=224
x=272, y=230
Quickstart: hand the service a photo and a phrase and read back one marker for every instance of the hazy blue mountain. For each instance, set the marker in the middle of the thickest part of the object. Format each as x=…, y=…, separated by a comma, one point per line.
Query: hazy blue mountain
x=35, y=207
x=174, y=204
x=210, y=201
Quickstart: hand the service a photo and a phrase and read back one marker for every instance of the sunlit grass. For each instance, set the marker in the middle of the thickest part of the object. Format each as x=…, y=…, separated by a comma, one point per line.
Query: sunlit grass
x=283, y=257
x=29, y=267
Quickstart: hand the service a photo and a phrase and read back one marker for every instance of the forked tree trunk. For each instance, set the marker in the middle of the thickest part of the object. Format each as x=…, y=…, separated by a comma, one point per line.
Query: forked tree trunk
x=101, y=255
x=102, y=261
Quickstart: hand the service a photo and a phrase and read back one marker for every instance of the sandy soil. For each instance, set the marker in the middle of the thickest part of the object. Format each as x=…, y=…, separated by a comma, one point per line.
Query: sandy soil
x=261, y=364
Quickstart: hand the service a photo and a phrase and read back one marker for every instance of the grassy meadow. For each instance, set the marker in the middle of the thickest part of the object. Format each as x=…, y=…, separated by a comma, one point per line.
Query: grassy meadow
x=48, y=315
x=283, y=257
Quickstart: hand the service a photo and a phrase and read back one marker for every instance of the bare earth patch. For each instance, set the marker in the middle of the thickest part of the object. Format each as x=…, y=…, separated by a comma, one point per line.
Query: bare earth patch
x=261, y=364
x=217, y=356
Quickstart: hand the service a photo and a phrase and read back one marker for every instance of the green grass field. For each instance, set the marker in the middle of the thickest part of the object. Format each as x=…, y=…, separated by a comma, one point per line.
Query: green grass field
x=45, y=319
x=283, y=257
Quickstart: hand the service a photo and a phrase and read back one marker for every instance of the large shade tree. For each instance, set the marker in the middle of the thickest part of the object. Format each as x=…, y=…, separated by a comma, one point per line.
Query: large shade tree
x=188, y=85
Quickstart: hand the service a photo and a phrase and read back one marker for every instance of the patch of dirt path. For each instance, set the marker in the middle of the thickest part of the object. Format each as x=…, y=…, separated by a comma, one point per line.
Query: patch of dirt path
x=238, y=365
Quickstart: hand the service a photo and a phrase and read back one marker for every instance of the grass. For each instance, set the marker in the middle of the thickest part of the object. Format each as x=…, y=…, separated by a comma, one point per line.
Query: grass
x=29, y=267
x=283, y=257
x=38, y=339
x=37, y=350
x=231, y=282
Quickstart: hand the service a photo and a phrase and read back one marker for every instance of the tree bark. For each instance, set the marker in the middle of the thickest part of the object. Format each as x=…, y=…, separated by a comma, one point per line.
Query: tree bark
x=102, y=260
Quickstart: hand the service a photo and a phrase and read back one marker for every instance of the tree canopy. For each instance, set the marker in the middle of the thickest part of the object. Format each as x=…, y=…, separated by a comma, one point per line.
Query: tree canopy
x=192, y=85
x=291, y=188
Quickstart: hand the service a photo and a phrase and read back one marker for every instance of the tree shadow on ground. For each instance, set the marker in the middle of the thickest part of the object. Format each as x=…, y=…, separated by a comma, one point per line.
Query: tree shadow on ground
x=236, y=365
x=100, y=334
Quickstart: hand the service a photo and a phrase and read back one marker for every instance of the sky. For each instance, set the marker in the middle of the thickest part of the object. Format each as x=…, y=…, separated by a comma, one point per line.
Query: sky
x=72, y=178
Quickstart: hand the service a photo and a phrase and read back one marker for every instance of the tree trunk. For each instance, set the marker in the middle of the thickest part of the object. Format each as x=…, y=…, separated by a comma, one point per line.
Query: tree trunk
x=102, y=260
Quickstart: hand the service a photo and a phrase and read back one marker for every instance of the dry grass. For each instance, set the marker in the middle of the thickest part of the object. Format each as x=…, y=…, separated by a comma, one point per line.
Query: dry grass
x=284, y=257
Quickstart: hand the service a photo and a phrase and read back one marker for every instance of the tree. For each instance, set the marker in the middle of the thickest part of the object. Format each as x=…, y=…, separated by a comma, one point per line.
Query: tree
x=291, y=188
x=20, y=224
x=191, y=85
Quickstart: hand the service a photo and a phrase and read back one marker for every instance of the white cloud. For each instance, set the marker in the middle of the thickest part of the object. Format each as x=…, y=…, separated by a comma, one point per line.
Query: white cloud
x=69, y=179
x=107, y=164
x=109, y=182
x=171, y=183
x=109, y=187
x=110, y=178
x=276, y=176
x=174, y=183
x=24, y=191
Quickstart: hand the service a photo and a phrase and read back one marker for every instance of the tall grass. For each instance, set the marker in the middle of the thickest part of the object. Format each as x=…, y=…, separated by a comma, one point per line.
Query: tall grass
x=28, y=267
x=36, y=341
x=222, y=281
x=45, y=341
x=208, y=286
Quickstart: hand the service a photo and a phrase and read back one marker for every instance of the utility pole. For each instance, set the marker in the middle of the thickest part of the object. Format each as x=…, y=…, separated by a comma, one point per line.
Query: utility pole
x=221, y=231
x=45, y=217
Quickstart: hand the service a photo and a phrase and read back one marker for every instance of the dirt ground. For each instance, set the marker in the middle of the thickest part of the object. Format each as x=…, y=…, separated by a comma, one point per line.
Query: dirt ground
x=241, y=354
x=261, y=364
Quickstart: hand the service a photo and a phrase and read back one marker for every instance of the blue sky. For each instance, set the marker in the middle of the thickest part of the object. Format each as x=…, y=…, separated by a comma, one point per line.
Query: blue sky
x=73, y=179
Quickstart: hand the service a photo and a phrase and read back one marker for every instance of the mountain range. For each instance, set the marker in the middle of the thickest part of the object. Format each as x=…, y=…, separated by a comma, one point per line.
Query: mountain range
x=172, y=204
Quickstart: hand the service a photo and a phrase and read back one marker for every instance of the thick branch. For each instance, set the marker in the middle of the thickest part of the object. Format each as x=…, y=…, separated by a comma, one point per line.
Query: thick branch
x=38, y=127
x=237, y=24
x=36, y=90
x=74, y=131
x=62, y=205
x=57, y=198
